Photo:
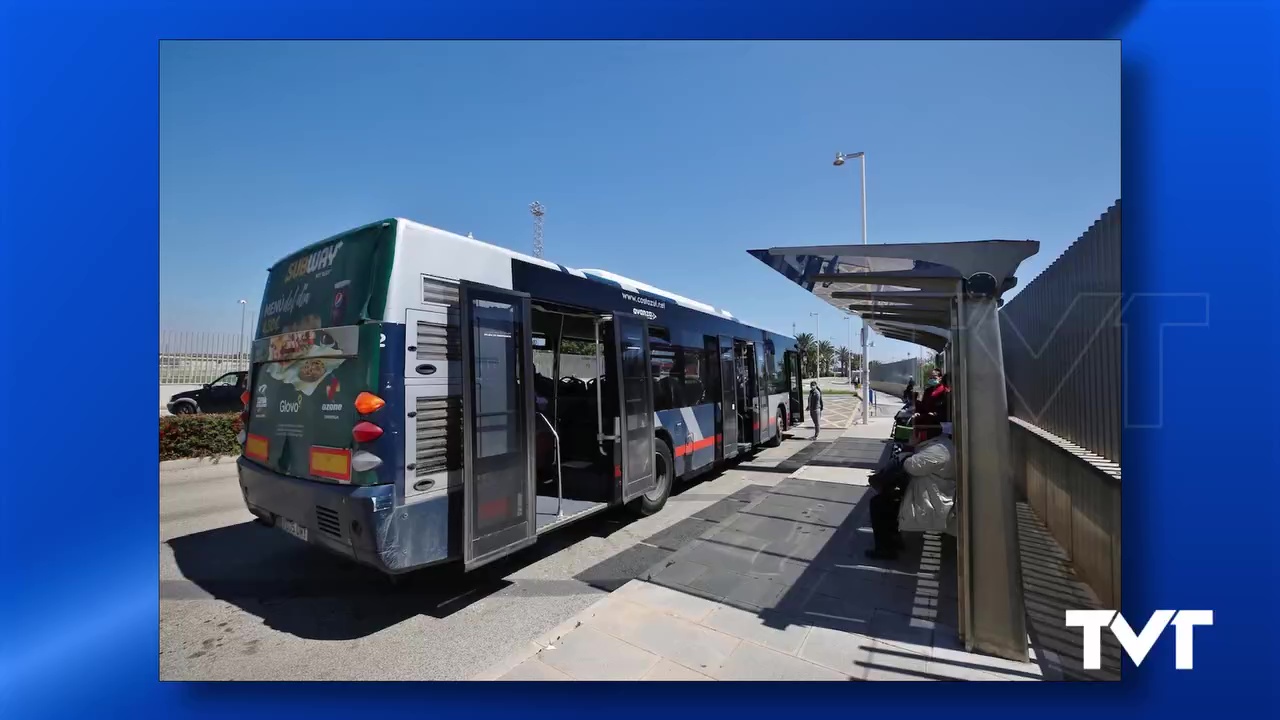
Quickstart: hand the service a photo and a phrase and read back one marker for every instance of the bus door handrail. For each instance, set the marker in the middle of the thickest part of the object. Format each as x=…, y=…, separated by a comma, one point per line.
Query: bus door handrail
x=600, y=436
x=559, y=474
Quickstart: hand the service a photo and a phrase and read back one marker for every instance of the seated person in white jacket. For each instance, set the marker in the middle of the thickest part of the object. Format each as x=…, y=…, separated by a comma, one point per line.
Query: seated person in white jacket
x=921, y=498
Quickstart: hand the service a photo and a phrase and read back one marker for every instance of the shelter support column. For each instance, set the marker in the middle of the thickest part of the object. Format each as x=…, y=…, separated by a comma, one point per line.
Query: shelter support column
x=993, y=617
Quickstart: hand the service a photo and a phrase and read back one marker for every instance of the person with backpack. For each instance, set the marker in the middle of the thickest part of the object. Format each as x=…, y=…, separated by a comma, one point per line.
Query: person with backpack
x=815, y=407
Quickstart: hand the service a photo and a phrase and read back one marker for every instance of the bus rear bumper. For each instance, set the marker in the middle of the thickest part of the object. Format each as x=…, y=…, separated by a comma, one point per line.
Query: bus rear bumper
x=362, y=523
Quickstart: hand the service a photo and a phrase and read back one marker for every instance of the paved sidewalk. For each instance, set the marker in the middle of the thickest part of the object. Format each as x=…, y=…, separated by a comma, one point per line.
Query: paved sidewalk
x=779, y=591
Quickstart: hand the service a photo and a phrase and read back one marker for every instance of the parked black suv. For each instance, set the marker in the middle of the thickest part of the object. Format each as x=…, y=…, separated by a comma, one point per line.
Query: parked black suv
x=220, y=396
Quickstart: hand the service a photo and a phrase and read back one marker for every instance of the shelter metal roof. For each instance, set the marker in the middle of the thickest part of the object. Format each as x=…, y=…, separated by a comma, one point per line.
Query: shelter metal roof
x=901, y=291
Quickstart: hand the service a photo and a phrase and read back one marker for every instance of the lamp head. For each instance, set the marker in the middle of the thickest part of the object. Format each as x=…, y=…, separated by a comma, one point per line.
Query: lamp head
x=839, y=159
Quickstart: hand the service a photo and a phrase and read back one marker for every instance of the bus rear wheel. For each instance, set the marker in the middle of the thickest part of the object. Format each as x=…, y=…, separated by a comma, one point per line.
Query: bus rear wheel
x=776, y=440
x=663, y=477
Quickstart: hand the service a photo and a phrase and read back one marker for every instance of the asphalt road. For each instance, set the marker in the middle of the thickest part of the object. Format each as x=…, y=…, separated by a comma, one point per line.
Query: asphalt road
x=239, y=601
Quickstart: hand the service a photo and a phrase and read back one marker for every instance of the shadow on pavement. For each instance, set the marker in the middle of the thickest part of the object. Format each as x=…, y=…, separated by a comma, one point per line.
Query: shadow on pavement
x=308, y=592
x=796, y=557
x=1049, y=590
x=854, y=453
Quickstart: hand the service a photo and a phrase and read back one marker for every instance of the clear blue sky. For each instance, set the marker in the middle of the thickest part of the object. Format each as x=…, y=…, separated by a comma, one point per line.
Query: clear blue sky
x=659, y=161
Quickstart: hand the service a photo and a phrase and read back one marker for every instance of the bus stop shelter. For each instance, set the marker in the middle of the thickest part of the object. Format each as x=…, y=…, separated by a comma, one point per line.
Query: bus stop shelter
x=945, y=296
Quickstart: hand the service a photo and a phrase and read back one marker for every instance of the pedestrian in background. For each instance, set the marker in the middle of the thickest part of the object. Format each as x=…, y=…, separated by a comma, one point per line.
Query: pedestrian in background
x=815, y=407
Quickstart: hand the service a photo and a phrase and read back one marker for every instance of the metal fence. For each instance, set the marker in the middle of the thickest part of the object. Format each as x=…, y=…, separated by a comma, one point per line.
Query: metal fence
x=898, y=371
x=193, y=358
x=1061, y=339
x=892, y=377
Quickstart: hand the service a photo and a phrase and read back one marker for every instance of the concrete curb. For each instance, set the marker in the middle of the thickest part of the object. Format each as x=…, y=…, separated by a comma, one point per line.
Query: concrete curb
x=187, y=463
x=540, y=643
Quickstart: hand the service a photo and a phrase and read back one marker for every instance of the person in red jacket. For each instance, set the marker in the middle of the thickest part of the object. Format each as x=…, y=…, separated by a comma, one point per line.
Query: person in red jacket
x=935, y=401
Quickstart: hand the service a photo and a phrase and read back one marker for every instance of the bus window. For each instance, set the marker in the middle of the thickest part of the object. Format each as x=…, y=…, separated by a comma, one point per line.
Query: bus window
x=662, y=358
x=709, y=373
x=777, y=374
x=696, y=382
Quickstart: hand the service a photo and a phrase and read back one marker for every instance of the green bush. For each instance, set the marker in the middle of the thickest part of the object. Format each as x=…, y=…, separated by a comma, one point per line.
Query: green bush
x=198, y=436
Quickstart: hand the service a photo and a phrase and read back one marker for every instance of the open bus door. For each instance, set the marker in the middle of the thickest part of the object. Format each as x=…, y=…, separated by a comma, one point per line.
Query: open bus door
x=635, y=405
x=728, y=397
x=499, y=495
x=763, y=416
x=795, y=388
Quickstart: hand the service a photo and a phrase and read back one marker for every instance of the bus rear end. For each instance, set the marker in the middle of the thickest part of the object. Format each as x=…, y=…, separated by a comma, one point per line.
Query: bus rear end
x=323, y=439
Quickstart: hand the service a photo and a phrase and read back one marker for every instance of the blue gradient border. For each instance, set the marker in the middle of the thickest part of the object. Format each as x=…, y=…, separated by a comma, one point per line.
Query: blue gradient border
x=78, y=230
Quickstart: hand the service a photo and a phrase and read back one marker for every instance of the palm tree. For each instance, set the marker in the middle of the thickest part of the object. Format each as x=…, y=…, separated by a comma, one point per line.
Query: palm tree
x=826, y=351
x=845, y=357
x=805, y=342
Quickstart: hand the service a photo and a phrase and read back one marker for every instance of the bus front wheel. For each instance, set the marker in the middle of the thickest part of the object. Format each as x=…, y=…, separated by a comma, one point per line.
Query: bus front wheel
x=663, y=477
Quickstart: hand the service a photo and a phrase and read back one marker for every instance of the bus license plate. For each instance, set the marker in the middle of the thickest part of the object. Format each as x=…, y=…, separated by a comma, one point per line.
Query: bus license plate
x=293, y=529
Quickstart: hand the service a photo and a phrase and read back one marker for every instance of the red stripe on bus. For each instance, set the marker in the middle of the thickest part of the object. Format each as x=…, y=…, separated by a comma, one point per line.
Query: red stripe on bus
x=695, y=446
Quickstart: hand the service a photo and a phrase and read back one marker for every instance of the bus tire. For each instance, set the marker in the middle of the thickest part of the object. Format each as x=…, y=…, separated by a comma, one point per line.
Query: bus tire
x=664, y=475
x=776, y=440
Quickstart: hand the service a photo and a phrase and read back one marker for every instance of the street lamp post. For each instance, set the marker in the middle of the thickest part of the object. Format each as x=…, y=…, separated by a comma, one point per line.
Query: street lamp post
x=848, y=360
x=244, y=304
x=866, y=374
x=817, y=356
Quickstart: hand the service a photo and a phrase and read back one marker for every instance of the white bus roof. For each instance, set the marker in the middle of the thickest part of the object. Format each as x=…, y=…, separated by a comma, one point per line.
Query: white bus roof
x=591, y=274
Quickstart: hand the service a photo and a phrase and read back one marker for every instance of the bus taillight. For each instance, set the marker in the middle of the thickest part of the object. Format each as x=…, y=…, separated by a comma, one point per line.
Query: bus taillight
x=367, y=403
x=366, y=432
x=364, y=461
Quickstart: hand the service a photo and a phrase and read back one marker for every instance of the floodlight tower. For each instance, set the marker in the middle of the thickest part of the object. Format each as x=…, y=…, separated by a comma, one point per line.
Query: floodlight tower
x=537, y=209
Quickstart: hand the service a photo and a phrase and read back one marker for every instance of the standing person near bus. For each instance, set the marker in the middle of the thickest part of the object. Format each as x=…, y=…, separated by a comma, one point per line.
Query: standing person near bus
x=815, y=407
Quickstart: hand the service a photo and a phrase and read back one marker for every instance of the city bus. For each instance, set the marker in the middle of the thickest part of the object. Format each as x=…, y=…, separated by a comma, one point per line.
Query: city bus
x=417, y=397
